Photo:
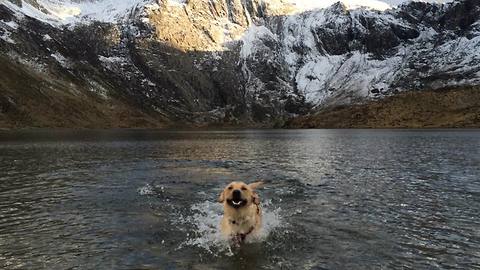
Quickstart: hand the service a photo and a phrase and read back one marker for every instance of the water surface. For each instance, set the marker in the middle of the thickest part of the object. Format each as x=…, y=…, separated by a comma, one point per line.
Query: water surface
x=334, y=199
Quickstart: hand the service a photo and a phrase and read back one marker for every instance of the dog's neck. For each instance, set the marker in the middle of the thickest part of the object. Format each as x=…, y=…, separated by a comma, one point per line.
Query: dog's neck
x=237, y=221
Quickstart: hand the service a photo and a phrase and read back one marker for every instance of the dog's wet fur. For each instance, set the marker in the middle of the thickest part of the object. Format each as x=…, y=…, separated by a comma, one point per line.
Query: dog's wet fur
x=242, y=216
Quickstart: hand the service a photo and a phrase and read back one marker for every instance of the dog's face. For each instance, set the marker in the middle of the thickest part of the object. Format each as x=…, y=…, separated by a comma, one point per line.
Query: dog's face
x=239, y=194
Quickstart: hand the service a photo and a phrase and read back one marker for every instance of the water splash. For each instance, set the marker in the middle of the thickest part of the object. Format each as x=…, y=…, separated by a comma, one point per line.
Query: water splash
x=146, y=190
x=199, y=222
x=149, y=189
x=205, y=218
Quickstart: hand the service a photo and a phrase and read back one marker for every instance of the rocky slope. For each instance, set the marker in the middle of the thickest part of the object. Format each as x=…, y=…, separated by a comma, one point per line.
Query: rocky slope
x=144, y=63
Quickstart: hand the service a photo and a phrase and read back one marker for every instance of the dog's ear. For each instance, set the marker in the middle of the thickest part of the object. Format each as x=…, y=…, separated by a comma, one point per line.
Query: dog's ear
x=221, y=198
x=255, y=185
x=255, y=198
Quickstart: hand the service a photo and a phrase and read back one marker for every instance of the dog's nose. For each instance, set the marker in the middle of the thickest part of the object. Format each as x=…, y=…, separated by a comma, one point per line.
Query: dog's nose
x=236, y=193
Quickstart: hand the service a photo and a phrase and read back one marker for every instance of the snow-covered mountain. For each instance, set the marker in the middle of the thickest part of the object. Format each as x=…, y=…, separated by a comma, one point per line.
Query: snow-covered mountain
x=249, y=62
x=340, y=55
x=63, y=12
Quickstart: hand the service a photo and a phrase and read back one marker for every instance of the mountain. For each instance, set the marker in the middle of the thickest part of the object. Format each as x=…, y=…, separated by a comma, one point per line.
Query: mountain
x=144, y=63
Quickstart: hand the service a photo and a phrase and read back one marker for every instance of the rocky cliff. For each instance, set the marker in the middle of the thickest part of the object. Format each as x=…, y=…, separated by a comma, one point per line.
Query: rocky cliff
x=147, y=63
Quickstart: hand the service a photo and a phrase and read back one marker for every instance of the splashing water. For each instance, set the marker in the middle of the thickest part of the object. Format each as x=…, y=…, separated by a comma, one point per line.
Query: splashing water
x=201, y=221
x=146, y=190
x=146, y=199
x=205, y=218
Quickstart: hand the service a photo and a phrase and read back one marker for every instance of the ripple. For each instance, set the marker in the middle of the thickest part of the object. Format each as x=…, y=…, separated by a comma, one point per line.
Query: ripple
x=333, y=199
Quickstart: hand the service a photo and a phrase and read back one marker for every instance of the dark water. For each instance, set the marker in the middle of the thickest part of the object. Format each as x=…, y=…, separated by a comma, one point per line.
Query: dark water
x=336, y=199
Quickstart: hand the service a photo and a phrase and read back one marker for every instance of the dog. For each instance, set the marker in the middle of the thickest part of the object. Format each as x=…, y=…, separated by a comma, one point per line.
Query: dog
x=242, y=216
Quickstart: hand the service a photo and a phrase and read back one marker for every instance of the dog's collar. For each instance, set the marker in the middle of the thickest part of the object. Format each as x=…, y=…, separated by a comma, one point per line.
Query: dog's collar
x=240, y=237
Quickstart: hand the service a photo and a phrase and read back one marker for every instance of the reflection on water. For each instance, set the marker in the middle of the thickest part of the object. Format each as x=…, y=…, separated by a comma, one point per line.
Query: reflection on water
x=334, y=199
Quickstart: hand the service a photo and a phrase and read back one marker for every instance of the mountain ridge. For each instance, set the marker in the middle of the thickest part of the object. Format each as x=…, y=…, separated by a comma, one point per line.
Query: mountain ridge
x=239, y=63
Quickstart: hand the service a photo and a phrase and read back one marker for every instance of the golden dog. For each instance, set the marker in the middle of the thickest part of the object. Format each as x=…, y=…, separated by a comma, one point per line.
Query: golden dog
x=242, y=216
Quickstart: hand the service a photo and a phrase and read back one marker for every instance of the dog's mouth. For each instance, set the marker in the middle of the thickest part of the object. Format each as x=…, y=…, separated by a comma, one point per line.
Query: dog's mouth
x=236, y=203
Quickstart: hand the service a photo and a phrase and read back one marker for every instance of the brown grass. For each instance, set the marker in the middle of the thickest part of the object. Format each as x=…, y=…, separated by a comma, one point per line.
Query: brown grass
x=454, y=108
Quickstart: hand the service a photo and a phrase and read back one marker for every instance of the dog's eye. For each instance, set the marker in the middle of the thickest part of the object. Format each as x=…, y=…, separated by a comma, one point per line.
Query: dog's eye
x=230, y=187
x=244, y=188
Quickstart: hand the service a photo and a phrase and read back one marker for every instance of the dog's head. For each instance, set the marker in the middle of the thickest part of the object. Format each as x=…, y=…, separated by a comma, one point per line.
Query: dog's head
x=239, y=194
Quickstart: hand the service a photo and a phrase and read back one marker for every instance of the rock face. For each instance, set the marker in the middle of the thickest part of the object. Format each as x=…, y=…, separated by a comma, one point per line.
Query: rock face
x=221, y=62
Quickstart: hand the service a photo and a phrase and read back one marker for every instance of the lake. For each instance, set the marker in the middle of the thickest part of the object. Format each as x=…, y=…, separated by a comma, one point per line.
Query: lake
x=333, y=199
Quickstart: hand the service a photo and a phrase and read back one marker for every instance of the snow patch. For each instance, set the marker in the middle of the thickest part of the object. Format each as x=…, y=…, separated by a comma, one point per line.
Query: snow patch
x=46, y=37
x=113, y=62
x=13, y=25
x=61, y=59
x=63, y=12
x=152, y=7
x=427, y=34
x=6, y=36
x=111, y=59
x=34, y=63
x=179, y=3
x=358, y=73
x=252, y=38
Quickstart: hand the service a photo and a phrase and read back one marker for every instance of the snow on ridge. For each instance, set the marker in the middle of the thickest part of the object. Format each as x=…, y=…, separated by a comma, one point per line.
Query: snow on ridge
x=60, y=11
x=323, y=76
x=110, y=10
x=304, y=5
x=64, y=12
x=251, y=37
x=28, y=10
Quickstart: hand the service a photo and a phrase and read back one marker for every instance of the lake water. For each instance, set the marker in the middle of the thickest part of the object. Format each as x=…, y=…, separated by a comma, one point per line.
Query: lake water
x=334, y=199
